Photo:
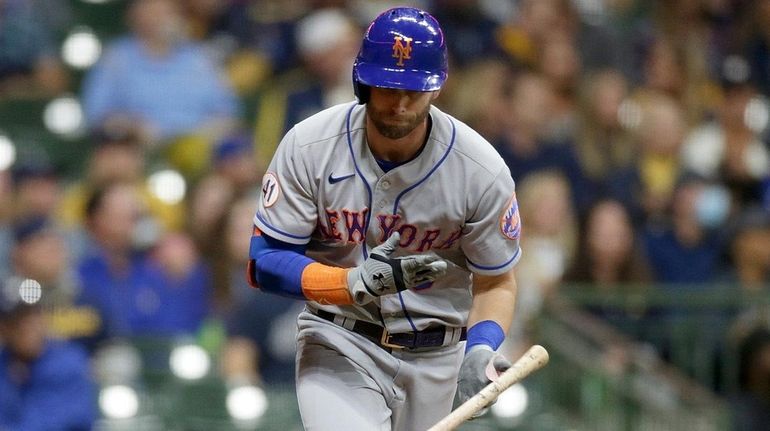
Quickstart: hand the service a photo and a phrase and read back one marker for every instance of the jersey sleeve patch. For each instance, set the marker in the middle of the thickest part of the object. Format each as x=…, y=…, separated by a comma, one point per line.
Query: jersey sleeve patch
x=510, y=222
x=271, y=189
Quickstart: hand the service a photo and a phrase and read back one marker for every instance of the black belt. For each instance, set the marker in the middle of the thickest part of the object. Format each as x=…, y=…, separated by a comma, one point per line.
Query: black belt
x=433, y=337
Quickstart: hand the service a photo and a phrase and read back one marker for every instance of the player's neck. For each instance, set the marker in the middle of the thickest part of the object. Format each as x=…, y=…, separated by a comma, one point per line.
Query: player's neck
x=396, y=150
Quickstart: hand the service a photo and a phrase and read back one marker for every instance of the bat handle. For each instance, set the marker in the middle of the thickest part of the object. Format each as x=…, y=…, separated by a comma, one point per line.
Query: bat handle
x=534, y=359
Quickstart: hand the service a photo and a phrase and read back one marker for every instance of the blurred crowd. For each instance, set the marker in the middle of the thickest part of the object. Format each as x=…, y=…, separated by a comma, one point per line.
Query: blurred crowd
x=636, y=131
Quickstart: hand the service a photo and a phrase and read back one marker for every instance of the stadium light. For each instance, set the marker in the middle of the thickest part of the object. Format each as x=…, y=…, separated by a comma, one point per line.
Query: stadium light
x=7, y=152
x=30, y=291
x=246, y=403
x=512, y=403
x=81, y=49
x=189, y=362
x=757, y=115
x=64, y=116
x=119, y=402
x=168, y=185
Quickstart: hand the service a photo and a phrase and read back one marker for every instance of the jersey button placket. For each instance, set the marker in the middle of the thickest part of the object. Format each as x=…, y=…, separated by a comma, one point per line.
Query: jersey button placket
x=382, y=187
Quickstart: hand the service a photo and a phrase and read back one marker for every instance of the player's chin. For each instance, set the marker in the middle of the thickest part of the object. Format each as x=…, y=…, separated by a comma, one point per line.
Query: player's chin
x=394, y=132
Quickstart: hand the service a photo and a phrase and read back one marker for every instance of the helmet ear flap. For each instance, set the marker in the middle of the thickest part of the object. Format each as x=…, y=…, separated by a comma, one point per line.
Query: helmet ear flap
x=362, y=92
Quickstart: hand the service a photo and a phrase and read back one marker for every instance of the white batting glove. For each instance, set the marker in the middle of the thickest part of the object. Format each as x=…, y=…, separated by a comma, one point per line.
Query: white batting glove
x=381, y=274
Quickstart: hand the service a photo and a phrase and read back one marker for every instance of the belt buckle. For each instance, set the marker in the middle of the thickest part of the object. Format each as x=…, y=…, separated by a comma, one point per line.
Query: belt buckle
x=385, y=340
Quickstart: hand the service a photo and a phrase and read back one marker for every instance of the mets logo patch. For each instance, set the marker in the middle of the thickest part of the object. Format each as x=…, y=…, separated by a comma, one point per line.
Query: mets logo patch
x=402, y=49
x=510, y=222
x=270, y=189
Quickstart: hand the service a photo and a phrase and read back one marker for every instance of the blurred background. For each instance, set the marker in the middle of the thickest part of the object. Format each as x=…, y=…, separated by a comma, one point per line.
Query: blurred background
x=134, y=134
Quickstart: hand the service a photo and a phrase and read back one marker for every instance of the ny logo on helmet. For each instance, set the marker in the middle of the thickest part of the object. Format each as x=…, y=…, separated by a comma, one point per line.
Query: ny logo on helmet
x=402, y=49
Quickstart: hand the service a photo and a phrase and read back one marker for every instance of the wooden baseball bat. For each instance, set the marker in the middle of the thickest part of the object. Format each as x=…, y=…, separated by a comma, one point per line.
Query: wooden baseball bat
x=535, y=358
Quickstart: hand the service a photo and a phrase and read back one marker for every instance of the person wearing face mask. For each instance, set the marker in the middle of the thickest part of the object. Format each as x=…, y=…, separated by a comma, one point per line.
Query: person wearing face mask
x=687, y=246
x=158, y=78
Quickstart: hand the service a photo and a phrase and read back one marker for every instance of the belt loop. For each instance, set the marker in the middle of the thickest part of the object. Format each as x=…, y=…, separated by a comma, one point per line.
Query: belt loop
x=338, y=320
x=452, y=336
x=348, y=323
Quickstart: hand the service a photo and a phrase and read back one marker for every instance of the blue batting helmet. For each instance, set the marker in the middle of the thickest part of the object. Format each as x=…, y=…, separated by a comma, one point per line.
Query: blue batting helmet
x=403, y=48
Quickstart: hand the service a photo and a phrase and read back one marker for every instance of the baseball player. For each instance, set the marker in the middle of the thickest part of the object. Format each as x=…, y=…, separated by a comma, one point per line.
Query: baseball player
x=399, y=226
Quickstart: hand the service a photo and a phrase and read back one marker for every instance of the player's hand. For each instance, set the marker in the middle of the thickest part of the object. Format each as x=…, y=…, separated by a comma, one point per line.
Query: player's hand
x=480, y=367
x=381, y=274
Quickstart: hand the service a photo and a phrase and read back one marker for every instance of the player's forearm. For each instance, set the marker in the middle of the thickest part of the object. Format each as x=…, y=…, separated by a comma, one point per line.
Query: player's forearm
x=288, y=272
x=491, y=314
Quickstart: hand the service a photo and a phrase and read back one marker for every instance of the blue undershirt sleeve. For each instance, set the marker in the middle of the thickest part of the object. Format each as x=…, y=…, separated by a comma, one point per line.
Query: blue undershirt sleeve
x=278, y=265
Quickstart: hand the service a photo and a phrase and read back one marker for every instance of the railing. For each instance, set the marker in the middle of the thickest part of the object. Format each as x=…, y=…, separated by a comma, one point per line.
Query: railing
x=601, y=376
x=694, y=327
x=603, y=380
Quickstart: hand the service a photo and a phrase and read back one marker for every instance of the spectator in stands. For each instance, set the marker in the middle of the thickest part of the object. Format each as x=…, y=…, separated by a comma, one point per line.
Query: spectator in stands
x=550, y=241
x=603, y=144
x=523, y=37
x=29, y=60
x=204, y=17
x=37, y=189
x=756, y=45
x=480, y=96
x=40, y=253
x=552, y=230
x=524, y=146
x=142, y=281
x=647, y=188
x=154, y=76
x=37, y=193
x=264, y=31
x=117, y=143
x=610, y=255
x=327, y=42
x=682, y=60
x=233, y=160
x=234, y=175
x=560, y=64
x=44, y=384
x=261, y=328
x=751, y=405
x=469, y=30
x=750, y=251
x=662, y=70
x=688, y=247
x=611, y=260
x=728, y=148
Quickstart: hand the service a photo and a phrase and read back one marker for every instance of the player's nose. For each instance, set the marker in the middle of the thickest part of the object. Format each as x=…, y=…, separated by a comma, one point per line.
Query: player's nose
x=400, y=103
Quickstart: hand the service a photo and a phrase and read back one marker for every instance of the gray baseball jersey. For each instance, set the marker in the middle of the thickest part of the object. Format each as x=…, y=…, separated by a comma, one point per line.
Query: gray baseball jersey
x=456, y=199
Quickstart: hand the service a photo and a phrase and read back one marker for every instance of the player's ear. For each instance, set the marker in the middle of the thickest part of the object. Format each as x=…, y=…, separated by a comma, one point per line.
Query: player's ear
x=435, y=95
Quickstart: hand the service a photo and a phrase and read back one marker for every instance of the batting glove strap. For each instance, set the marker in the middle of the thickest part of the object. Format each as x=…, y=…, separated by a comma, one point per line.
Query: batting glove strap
x=381, y=274
x=395, y=267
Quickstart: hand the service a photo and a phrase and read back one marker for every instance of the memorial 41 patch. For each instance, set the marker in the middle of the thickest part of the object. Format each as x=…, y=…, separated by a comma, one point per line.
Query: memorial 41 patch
x=510, y=222
x=270, y=189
